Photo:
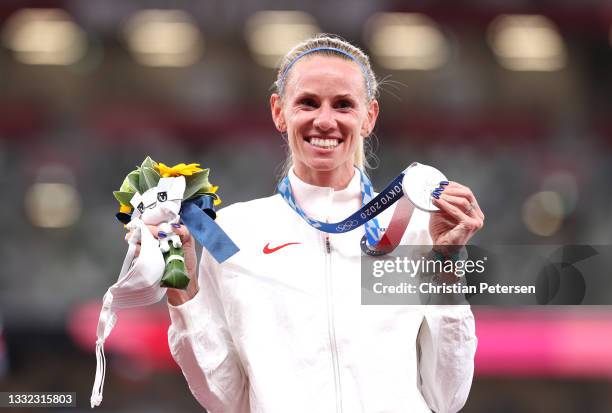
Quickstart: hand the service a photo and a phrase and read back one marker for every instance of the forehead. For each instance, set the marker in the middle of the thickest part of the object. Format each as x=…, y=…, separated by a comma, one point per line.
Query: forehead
x=325, y=75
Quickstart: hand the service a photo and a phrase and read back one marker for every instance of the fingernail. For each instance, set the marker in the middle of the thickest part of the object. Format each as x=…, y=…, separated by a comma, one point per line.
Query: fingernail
x=437, y=196
x=176, y=225
x=444, y=183
x=162, y=234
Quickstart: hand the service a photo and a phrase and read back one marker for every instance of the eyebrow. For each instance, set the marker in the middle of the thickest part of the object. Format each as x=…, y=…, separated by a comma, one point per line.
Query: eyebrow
x=312, y=94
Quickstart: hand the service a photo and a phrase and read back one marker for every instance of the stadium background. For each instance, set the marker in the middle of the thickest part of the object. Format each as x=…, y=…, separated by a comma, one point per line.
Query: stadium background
x=509, y=97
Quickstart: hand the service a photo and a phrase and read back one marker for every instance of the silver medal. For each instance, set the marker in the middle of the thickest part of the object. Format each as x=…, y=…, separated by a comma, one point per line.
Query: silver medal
x=419, y=182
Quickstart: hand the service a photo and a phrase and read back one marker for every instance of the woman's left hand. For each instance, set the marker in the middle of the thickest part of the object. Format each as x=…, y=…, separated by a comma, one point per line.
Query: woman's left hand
x=457, y=221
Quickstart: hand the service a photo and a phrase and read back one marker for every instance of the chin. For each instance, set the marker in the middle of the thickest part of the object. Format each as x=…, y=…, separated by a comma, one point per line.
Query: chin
x=323, y=165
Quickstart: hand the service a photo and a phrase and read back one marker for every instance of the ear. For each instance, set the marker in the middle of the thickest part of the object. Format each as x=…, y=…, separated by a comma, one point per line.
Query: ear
x=277, y=112
x=370, y=122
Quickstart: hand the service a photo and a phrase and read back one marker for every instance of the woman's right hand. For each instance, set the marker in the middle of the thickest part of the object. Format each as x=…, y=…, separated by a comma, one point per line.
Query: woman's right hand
x=178, y=297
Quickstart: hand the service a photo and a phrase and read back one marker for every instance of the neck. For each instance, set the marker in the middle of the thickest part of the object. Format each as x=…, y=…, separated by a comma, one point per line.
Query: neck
x=337, y=179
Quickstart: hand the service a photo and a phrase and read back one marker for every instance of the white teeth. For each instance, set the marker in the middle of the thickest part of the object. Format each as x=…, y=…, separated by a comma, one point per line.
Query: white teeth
x=324, y=143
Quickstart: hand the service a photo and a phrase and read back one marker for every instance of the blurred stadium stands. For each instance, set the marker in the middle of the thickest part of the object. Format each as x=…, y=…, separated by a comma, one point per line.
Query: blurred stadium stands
x=511, y=97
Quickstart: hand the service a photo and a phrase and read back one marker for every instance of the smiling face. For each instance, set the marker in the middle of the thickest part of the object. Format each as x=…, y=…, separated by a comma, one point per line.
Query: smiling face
x=325, y=113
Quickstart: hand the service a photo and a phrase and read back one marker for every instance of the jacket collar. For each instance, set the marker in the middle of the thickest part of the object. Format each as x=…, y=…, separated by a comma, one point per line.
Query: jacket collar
x=324, y=203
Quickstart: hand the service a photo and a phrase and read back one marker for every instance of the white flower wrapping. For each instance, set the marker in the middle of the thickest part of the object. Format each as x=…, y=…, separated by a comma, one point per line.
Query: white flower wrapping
x=138, y=283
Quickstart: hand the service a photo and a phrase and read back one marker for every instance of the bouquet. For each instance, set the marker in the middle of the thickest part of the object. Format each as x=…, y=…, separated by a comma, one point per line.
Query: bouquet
x=154, y=193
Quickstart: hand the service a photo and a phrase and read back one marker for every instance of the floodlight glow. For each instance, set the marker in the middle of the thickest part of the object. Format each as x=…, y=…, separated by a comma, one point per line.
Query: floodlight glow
x=406, y=41
x=527, y=43
x=52, y=205
x=271, y=34
x=543, y=213
x=44, y=37
x=164, y=38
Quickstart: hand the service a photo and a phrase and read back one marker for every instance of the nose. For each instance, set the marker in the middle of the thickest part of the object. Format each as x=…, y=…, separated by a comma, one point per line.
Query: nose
x=324, y=120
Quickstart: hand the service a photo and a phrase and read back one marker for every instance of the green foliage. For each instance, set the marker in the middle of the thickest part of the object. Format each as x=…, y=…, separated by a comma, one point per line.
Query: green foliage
x=204, y=192
x=148, y=163
x=125, y=186
x=175, y=273
x=123, y=197
x=149, y=177
x=134, y=180
x=146, y=176
x=196, y=183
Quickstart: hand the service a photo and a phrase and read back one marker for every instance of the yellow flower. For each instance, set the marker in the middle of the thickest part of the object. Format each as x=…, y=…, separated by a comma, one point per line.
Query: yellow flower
x=178, y=170
x=213, y=190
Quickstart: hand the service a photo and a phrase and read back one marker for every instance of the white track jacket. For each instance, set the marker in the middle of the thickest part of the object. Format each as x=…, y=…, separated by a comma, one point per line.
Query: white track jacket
x=279, y=327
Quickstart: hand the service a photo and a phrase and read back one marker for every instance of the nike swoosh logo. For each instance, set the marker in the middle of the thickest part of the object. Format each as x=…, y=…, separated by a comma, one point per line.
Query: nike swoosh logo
x=268, y=250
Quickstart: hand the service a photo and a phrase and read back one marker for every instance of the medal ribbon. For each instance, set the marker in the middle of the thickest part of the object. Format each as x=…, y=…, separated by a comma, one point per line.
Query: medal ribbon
x=198, y=215
x=372, y=206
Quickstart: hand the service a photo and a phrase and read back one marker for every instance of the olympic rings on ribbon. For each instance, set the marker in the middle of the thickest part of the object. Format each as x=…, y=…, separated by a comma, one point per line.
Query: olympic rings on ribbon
x=348, y=225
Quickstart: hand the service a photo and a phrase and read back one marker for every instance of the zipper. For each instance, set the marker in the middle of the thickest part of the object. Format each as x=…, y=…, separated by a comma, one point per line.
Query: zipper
x=331, y=325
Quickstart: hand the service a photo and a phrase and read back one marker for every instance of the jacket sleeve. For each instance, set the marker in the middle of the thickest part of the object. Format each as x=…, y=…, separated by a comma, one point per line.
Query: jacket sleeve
x=200, y=343
x=446, y=343
x=446, y=346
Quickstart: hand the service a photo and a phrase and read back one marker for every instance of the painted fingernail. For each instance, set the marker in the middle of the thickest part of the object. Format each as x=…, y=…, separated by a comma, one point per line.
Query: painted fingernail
x=437, y=196
x=443, y=182
x=162, y=234
x=176, y=225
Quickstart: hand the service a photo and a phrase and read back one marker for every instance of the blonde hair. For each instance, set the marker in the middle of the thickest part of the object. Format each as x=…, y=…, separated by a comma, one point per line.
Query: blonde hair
x=345, y=50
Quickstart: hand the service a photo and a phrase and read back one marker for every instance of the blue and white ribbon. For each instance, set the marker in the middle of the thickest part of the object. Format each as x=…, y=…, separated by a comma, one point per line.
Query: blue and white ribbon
x=372, y=207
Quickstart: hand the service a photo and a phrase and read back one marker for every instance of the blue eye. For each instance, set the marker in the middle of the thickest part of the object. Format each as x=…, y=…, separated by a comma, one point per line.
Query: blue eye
x=162, y=196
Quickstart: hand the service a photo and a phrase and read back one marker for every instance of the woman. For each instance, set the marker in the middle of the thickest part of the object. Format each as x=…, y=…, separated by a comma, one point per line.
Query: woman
x=279, y=327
